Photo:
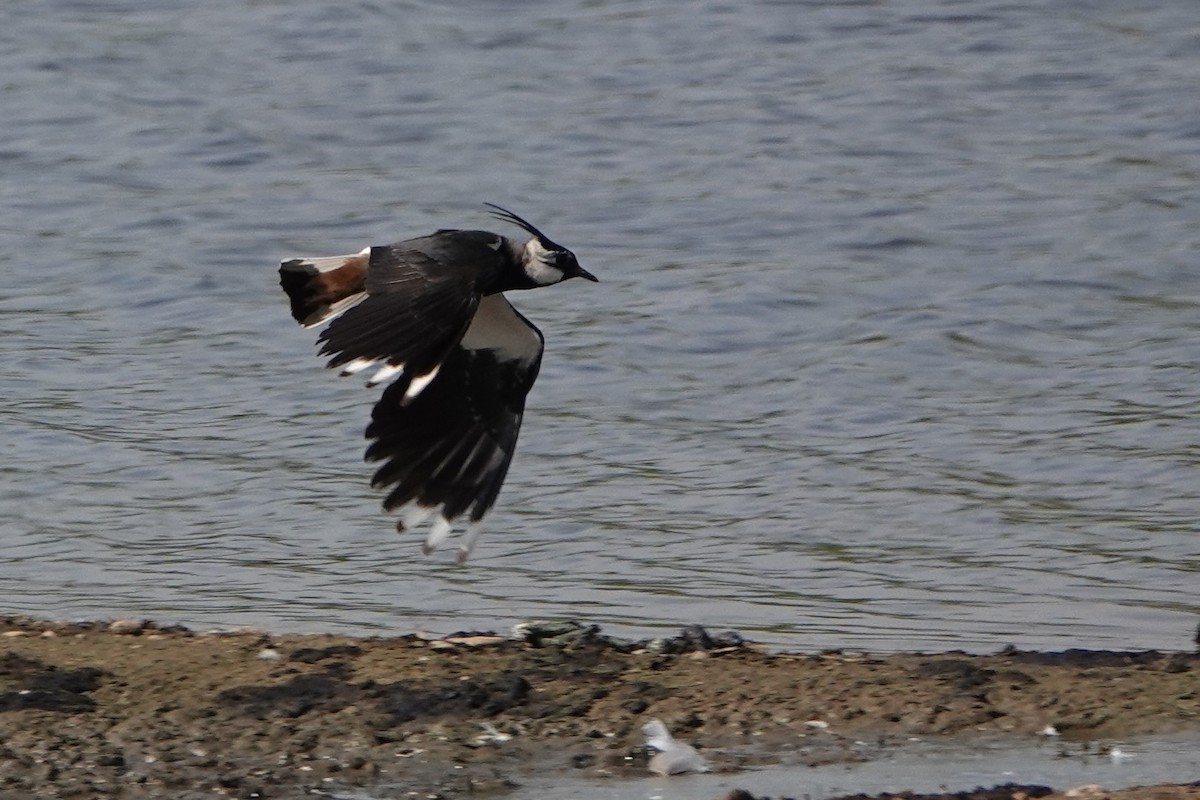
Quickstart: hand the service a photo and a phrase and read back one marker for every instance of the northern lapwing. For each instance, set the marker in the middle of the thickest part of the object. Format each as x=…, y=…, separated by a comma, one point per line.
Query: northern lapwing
x=430, y=317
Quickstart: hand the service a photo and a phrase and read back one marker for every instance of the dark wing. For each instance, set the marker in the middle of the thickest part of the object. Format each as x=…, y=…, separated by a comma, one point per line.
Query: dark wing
x=418, y=305
x=447, y=449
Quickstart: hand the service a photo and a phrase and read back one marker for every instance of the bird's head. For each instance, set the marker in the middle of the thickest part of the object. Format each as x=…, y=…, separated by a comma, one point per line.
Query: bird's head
x=543, y=261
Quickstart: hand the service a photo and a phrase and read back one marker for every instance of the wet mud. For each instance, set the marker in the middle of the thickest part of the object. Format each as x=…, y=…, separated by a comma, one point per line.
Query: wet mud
x=131, y=709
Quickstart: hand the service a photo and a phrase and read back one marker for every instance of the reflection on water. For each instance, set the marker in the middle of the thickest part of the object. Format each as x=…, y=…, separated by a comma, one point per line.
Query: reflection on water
x=893, y=348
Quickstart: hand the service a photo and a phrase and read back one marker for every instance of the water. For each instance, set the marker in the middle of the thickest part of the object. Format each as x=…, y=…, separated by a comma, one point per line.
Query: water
x=917, y=766
x=894, y=348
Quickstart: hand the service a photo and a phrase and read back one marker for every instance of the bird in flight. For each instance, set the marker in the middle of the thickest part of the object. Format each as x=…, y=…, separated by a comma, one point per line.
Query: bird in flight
x=429, y=317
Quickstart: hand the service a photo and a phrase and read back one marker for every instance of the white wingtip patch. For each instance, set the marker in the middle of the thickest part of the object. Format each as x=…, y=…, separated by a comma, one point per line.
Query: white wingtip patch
x=385, y=373
x=468, y=541
x=356, y=366
x=419, y=383
x=413, y=514
x=439, y=533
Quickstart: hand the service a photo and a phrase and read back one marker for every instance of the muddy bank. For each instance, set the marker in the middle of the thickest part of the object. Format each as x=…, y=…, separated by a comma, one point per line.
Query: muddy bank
x=130, y=709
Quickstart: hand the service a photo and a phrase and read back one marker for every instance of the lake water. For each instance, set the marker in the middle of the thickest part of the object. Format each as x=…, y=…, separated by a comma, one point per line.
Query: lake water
x=896, y=345
x=912, y=766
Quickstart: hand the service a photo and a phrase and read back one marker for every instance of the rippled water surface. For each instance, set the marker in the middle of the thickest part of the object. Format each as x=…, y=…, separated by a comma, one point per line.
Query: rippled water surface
x=896, y=344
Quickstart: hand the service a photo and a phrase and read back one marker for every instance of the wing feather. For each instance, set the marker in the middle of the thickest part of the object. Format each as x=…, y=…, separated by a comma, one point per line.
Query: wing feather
x=450, y=446
x=413, y=318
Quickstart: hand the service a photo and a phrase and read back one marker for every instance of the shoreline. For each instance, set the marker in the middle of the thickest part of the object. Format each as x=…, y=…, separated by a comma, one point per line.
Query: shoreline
x=130, y=709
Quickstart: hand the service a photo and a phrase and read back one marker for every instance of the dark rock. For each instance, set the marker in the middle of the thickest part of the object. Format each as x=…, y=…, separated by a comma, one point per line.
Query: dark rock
x=1086, y=658
x=311, y=655
x=27, y=683
x=394, y=703
x=1179, y=662
x=567, y=633
x=728, y=639
x=1006, y=791
x=738, y=794
x=962, y=675
x=694, y=637
x=298, y=696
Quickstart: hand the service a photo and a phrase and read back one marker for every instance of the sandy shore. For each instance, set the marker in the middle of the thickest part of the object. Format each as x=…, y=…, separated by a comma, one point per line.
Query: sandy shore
x=129, y=709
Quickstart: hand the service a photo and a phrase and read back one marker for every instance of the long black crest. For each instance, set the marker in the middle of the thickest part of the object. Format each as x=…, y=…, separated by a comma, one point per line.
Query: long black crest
x=508, y=216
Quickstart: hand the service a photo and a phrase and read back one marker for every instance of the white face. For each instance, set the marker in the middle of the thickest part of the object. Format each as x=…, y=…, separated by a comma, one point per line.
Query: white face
x=539, y=264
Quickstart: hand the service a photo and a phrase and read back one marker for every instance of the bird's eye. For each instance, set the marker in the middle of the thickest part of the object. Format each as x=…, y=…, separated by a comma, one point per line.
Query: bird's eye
x=562, y=260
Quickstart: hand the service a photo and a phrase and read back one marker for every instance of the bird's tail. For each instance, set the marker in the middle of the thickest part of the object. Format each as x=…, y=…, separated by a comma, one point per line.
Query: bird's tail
x=321, y=288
